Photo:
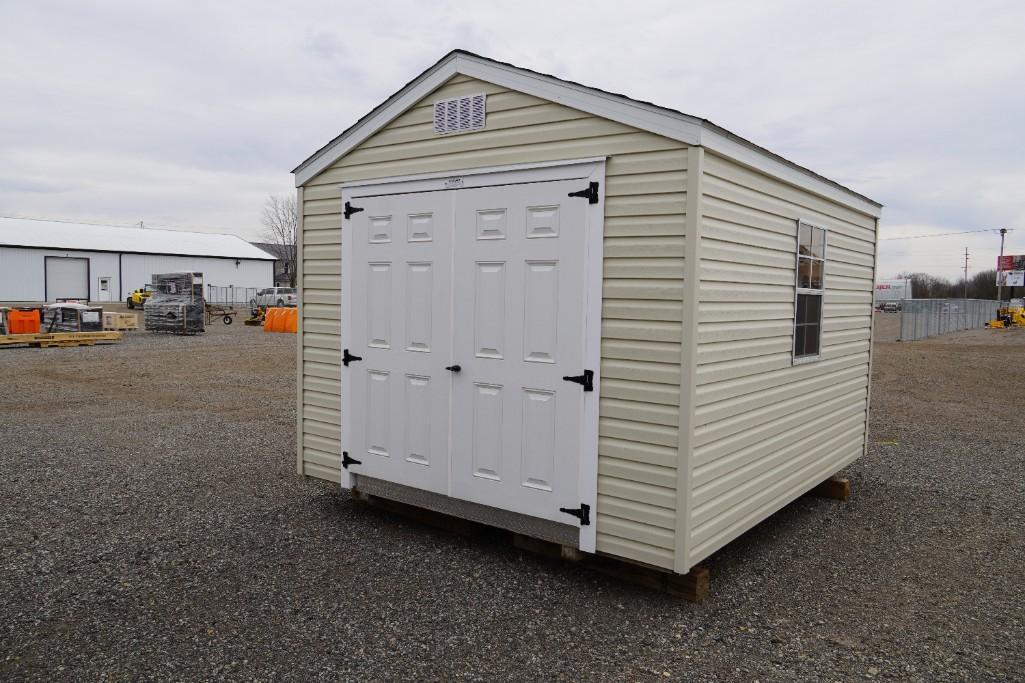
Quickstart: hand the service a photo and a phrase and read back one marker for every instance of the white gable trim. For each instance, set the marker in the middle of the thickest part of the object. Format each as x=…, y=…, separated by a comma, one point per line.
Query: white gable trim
x=673, y=125
x=644, y=117
x=429, y=81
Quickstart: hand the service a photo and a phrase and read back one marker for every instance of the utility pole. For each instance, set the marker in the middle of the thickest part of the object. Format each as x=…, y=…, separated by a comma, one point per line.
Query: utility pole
x=966, y=272
x=1000, y=286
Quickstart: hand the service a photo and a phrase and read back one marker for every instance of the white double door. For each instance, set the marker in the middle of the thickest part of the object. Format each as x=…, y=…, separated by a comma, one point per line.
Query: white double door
x=467, y=309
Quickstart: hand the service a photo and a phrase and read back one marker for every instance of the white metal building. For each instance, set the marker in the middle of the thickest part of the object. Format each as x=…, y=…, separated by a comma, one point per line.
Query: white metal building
x=579, y=316
x=49, y=260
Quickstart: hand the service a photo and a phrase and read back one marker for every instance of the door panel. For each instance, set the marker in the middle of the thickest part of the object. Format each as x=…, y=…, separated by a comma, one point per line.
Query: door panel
x=493, y=280
x=401, y=326
x=518, y=314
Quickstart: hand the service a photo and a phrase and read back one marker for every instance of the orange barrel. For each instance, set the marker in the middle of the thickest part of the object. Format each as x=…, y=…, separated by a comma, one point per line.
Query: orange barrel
x=23, y=322
x=292, y=321
x=275, y=320
x=268, y=319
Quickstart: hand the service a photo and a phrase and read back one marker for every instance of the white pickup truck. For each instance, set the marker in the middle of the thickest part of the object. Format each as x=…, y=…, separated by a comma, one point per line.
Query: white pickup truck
x=274, y=296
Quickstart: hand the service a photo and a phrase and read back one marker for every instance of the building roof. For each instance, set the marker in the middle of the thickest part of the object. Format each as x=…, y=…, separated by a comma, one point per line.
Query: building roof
x=45, y=234
x=271, y=248
x=663, y=121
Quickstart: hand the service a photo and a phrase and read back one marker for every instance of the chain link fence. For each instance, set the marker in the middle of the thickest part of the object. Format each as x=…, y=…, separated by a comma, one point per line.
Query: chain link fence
x=922, y=318
x=229, y=295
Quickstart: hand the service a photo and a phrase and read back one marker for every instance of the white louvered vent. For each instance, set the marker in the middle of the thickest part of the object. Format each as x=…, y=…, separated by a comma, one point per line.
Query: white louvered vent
x=459, y=115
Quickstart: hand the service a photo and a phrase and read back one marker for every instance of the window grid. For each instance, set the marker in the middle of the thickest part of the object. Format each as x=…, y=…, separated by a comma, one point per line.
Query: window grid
x=810, y=261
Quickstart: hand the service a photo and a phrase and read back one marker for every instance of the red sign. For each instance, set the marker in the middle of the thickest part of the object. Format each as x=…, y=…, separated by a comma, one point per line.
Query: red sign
x=1011, y=262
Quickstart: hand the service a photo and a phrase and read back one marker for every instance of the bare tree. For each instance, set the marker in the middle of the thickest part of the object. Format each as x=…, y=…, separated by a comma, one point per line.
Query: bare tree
x=280, y=222
x=982, y=285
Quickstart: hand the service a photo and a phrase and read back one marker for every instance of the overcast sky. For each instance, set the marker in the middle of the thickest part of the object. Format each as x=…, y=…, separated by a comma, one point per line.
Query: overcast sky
x=189, y=114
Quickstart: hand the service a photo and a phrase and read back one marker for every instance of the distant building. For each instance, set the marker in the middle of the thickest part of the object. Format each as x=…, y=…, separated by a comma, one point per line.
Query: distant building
x=49, y=260
x=282, y=275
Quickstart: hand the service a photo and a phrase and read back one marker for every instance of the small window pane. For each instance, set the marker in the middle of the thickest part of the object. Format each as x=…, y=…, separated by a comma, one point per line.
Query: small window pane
x=814, y=308
x=811, y=340
x=816, y=275
x=818, y=244
x=808, y=325
x=803, y=273
x=802, y=309
x=804, y=242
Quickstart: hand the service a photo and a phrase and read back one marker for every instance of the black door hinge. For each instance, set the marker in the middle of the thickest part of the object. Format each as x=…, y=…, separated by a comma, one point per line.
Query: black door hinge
x=590, y=194
x=583, y=512
x=586, y=379
x=350, y=209
x=346, y=460
x=348, y=357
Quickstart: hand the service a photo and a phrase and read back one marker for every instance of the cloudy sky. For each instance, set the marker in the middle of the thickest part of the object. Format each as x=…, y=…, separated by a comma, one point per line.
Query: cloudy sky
x=189, y=114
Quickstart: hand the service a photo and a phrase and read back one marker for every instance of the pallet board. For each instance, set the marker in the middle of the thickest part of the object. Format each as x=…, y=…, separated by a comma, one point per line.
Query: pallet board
x=59, y=339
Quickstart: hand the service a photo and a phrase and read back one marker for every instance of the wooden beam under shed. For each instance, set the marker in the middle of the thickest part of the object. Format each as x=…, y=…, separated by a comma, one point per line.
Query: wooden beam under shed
x=692, y=586
x=834, y=487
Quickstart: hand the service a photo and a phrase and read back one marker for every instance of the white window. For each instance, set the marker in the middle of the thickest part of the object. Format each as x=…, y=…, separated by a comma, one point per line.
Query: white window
x=811, y=267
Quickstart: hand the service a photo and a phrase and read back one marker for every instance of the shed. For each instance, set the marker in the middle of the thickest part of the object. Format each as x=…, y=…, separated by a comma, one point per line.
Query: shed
x=582, y=317
x=45, y=260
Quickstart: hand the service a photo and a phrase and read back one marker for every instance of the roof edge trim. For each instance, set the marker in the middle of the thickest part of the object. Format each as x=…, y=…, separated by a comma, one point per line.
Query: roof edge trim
x=642, y=115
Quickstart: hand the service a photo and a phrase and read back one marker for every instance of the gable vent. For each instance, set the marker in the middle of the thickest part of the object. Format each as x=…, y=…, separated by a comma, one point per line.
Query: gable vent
x=459, y=115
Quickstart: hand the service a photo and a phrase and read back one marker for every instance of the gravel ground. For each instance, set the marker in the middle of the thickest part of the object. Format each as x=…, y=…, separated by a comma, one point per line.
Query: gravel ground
x=153, y=528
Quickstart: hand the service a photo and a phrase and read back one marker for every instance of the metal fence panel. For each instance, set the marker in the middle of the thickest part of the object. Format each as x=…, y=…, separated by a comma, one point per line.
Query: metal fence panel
x=923, y=318
x=229, y=294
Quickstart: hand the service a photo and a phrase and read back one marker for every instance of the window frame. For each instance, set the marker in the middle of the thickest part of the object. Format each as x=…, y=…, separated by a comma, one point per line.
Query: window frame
x=799, y=290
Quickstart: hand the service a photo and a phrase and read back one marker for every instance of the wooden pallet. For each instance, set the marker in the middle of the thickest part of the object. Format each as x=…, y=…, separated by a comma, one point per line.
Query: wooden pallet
x=59, y=339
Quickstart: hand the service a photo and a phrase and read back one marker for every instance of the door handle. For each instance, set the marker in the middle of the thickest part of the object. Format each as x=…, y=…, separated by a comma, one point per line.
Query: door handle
x=453, y=368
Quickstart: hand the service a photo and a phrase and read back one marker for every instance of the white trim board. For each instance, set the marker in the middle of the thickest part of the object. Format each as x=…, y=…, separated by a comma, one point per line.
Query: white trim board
x=641, y=115
x=475, y=177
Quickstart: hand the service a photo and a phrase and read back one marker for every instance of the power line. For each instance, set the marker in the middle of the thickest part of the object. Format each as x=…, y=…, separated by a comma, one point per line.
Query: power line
x=942, y=234
x=203, y=230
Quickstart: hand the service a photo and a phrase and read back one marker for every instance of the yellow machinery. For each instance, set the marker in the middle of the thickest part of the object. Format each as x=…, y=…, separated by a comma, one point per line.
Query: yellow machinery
x=257, y=318
x=1009, y=316
x=137, y=299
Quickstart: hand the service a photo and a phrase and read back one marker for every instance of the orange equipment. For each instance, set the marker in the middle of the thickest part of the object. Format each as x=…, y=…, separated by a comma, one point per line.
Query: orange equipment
x=281, y=320
x=23, y=322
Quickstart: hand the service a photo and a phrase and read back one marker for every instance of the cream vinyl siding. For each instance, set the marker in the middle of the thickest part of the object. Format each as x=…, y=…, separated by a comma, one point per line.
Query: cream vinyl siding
x=765, y=430
x=643, y=284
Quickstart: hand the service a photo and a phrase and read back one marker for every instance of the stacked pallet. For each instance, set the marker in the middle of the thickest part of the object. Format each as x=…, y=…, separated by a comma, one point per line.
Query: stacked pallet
x=176, y=305
x=71, y=317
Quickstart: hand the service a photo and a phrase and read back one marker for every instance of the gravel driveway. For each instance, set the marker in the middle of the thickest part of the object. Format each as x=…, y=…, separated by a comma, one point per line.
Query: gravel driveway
x=153, y=527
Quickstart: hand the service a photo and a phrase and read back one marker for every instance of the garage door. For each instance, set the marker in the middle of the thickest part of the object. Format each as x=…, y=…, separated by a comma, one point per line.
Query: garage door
x=466, y=332
x=66, y=278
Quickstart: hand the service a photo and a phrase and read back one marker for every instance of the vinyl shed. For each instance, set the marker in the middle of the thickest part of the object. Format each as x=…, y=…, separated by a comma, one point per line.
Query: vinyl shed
x=585, y=318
